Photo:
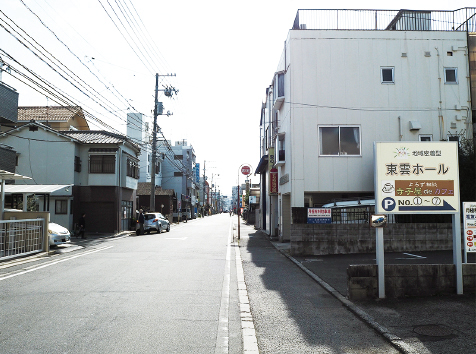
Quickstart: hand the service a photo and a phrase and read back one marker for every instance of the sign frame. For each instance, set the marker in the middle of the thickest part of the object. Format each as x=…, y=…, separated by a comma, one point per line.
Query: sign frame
x=433, y=157
x=416, y=177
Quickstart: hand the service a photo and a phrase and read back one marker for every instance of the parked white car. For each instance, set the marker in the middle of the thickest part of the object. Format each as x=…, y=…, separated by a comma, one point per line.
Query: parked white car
x=58, y=234
x=156, y=222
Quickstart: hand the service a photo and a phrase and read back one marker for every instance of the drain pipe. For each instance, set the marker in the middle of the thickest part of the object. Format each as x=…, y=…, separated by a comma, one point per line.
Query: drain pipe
x=441, y=122
x=400, y=136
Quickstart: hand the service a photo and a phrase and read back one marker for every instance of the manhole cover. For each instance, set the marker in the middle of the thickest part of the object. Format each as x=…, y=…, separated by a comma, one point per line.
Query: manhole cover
x=433, y=330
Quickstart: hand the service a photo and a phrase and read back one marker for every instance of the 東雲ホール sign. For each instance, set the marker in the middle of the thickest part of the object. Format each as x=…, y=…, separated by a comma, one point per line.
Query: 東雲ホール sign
x=416, y=177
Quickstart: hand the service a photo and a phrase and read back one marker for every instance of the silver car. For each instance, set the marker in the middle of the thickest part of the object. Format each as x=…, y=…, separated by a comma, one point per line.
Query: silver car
x=155, y=221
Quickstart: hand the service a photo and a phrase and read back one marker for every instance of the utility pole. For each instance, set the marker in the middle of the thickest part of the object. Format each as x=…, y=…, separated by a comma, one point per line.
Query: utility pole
x=158, y=110
x=154, y=146
x=203, y=202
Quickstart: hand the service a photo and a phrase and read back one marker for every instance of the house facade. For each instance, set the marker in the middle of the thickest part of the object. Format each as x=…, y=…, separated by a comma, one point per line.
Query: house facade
x=339, y=87
x=100, y=167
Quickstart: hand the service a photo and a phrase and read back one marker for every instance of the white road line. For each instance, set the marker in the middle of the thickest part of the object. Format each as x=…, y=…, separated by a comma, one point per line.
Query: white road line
x=222, y=342
x=413, y=255
x=53, y=263
x=250, y=343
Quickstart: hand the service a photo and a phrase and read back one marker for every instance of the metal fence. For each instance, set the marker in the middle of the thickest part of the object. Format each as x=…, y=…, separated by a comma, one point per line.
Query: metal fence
x=361, y=215
x=21, y=237
x=398, y=20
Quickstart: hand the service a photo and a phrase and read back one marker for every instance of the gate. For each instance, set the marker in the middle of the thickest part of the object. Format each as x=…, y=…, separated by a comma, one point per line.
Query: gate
x=21, y=237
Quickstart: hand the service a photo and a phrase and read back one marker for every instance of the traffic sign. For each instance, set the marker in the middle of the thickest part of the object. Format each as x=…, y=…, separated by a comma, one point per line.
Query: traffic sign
x=246, y=170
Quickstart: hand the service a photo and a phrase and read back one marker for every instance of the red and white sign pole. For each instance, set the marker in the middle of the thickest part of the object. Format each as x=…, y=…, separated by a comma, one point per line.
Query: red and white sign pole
x=245, y=169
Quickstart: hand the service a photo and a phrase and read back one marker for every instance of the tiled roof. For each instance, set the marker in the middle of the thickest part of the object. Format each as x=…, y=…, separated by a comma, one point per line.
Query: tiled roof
x=143, y=188
x=95, y=136
x=52, y=114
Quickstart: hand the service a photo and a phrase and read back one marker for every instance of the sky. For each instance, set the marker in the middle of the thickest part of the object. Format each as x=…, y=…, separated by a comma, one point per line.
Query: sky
x=223, y=55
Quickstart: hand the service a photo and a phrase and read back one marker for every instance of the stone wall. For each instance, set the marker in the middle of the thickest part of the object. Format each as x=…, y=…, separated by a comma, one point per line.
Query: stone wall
x=408, y=280
x=322, y=239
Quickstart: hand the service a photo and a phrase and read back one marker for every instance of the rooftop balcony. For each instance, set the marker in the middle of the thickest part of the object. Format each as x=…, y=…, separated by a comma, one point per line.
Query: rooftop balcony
x=391, y=20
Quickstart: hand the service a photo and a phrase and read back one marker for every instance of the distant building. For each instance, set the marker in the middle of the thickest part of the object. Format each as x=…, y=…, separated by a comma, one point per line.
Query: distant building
x=177, y=166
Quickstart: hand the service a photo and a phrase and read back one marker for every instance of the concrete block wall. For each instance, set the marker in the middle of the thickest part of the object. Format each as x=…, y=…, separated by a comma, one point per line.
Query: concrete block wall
x=408, y=280
x=322, y=239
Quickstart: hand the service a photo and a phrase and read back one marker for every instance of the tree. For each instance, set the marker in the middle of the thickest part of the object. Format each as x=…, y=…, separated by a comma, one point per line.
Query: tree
x=467, y=171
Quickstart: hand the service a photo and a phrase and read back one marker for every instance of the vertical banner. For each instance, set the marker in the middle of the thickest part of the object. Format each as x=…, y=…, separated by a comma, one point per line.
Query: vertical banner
x=197, y=173
x=469, y=223
x=273, y=181
x=271, y=158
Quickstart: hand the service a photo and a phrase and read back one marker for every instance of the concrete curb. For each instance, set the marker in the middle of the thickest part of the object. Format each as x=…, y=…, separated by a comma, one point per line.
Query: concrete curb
x=394, y=340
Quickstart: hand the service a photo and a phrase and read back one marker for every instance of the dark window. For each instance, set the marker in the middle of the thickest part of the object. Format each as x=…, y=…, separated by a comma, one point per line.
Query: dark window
x=132, y=169
x=77, y=164
x=451, y=76
x=387, y=75
x=102, y=164
x=178, y=174
x=61, y=207
x=178, y=157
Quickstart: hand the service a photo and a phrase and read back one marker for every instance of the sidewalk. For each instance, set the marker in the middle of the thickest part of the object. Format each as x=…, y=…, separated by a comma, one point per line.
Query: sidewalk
x=436, y=325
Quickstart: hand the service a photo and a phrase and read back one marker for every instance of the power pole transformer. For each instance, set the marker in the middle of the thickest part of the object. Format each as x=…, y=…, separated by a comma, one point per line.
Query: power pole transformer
x=158, y=110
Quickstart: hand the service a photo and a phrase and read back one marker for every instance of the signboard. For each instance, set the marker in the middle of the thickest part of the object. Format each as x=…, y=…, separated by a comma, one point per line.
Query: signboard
x=273, y=181
x=197, y=173
x=469, y=224
x=319, y=215
x=416, y=177
x=246, y=170
x=252, y=199
x=271, y=158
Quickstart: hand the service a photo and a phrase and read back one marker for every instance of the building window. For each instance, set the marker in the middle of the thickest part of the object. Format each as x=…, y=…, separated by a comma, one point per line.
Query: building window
x=453, y=137
x=387, y=75
x=61, y=207
x=451, y=75
x=178, y=174
x=339, y=140
x=77, y=164
x=132, y=169
x=281, y=156
x=425, y=137
x=102, y=164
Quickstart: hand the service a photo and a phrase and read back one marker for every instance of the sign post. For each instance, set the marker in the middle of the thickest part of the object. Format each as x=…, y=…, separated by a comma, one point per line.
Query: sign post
x=418, y=178
x=245, y=169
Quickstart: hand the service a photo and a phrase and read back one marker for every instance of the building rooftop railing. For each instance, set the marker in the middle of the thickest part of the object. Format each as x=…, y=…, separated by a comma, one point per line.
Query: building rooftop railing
x=397, y=20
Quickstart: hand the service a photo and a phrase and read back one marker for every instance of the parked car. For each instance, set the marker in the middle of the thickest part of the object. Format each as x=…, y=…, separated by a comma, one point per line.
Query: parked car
x=155, y=221
x=58, y=234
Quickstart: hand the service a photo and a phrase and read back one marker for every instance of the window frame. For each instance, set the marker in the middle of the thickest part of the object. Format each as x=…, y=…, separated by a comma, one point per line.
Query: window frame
x=103, y=169
x=456, y=76
x=319, y=132
x=382, y=68
x=420, y=136
x=62, y=205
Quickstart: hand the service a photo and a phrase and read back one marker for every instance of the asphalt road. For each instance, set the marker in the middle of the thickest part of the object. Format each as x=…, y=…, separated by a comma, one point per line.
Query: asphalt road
x=157, y=293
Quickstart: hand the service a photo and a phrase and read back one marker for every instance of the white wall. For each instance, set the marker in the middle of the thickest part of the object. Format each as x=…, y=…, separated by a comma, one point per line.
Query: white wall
x=334, y=78
x=46, y=157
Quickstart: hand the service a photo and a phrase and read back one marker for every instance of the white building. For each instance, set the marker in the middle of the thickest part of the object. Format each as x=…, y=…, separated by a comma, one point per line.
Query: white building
x=141, y=134
x=341, y=85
